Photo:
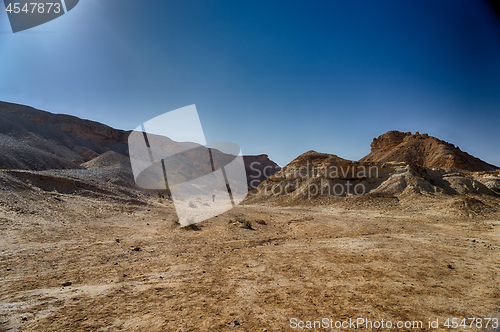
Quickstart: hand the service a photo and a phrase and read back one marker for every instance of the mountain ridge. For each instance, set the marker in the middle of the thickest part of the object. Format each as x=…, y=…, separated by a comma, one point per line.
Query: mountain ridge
x=36, y=140
x=423, y=150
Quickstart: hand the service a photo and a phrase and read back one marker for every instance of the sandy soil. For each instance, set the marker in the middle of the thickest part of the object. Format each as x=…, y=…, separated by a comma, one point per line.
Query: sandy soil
x=131, y=267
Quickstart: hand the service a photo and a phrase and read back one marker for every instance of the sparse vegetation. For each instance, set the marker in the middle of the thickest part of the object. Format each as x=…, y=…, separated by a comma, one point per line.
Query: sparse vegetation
x=244, y=222
x=192, y=227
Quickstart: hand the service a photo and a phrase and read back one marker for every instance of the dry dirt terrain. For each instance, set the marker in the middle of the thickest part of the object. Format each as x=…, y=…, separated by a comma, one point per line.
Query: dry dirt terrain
x=76, y=263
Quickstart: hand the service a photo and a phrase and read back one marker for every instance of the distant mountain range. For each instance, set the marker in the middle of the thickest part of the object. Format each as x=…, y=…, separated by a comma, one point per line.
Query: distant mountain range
x=35, y=140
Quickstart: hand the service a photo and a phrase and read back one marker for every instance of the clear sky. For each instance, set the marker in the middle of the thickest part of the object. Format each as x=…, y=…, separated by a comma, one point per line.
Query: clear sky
x=275, y=77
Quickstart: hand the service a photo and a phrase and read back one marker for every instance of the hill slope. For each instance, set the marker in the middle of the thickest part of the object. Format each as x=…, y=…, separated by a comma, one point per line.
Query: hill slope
x=35, y=140
x=38, y=140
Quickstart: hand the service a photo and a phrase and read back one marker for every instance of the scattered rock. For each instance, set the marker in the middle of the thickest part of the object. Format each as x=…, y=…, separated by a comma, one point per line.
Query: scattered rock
x=66, y=284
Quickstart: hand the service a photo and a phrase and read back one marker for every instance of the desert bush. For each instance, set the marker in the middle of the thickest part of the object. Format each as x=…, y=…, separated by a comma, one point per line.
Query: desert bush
x=244, y=222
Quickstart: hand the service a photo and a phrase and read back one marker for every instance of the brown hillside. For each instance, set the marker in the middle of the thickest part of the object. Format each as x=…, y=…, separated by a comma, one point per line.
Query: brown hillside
x=423, y=150
x=31, y=139
x=312, y=156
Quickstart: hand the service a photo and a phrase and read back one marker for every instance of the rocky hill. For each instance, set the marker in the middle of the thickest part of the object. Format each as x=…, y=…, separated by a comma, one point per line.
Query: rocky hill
x=401, y=168
x=32, y=139
x=35, y=140
x=423, y=150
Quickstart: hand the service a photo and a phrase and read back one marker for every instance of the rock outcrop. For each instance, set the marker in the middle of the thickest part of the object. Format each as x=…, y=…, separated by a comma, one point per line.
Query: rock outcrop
x=259, y=168
x=423, y=150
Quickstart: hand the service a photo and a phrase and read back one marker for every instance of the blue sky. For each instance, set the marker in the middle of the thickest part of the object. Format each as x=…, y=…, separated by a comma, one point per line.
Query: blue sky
x=275, y=77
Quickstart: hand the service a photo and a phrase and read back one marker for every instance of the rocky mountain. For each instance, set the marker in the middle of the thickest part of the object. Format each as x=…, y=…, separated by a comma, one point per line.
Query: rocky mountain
x=423, y=150
x=400, y=165
x=35, y=140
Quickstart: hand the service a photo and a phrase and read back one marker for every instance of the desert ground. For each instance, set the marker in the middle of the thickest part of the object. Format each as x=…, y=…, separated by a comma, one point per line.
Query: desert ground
x=75, y=263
